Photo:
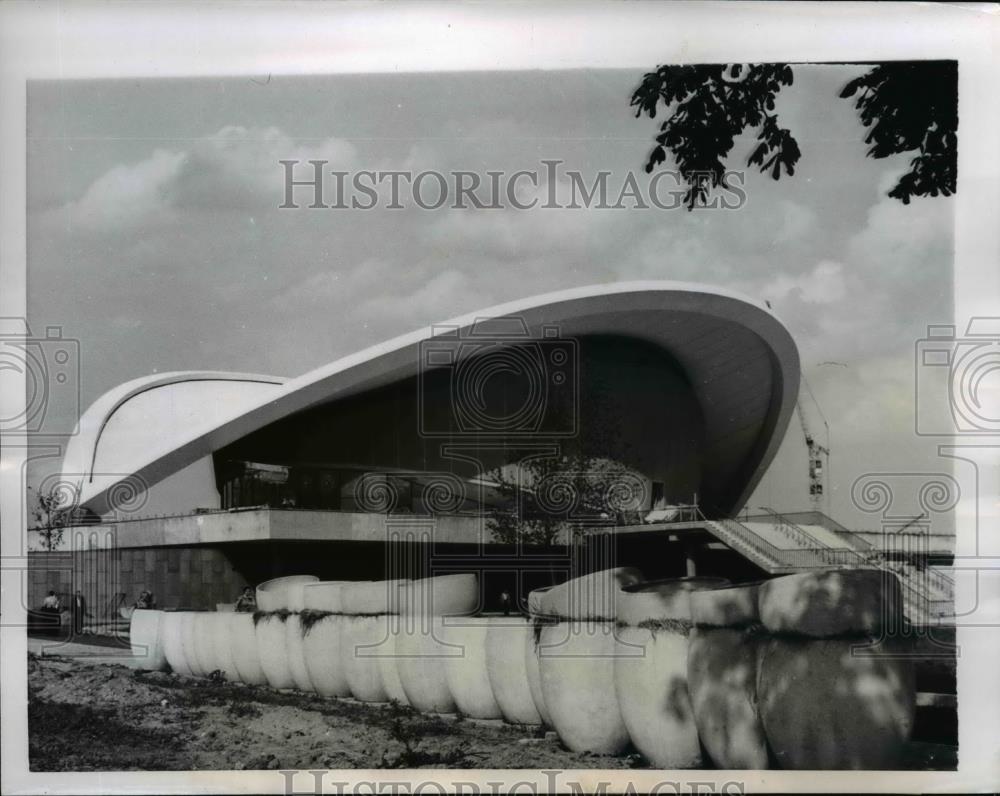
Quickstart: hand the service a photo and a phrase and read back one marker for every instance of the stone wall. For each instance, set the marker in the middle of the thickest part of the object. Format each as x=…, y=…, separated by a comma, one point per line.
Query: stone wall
x=179, y=577
x=197, y=576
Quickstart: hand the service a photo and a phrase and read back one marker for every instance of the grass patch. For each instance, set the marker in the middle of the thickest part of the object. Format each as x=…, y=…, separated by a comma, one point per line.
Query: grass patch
x=64, y=736
x=680, y=627
x=281, y=615
x=309, y=618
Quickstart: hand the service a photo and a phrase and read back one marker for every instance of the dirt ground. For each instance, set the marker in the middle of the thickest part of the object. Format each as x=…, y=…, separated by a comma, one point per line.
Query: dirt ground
x=101, y=717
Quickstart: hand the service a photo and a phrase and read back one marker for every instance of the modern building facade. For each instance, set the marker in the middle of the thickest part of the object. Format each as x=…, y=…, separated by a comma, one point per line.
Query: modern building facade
x=685, y=389
x=690, y=386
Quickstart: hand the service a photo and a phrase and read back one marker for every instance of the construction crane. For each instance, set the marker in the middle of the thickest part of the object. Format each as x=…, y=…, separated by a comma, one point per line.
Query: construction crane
x=818, y=453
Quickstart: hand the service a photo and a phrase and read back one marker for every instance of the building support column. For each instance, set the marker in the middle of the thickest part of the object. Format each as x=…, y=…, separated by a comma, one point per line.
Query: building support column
x=690, y=567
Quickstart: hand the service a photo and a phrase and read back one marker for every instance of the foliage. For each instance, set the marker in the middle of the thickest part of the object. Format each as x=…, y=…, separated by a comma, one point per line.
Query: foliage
x=310, y=617
x=281, y=615
x=551, y=499
x=48, y=517
x=409, y=729
x=906, y=106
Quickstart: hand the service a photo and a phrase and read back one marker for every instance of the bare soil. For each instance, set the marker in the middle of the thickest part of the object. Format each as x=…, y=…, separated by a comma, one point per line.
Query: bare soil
x=87, y=717
x=98, y=717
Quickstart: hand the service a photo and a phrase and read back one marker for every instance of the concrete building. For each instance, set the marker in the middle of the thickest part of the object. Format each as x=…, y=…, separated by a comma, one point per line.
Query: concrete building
x=388, y=458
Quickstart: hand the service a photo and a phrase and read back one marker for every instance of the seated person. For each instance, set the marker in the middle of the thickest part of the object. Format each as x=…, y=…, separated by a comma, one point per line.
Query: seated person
x=247, y=601
x=51, y=603
x=146, y=600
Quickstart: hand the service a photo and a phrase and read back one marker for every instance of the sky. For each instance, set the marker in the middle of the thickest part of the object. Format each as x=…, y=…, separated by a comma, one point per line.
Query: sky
x=156, y=240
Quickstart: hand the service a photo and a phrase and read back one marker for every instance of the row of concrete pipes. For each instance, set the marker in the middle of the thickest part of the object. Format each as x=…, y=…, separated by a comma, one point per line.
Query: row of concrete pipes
x=796, y=672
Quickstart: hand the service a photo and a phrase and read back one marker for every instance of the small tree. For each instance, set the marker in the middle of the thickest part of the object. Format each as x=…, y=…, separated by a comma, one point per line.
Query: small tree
x=553, y=499
x=49, y=517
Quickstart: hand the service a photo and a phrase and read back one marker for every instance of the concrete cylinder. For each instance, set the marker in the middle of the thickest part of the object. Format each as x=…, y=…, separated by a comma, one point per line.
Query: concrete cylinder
x=532, y=668
x=323, y=595
x=653, y=697
x=826, y=705
x=444, y=595
x=297, y=653
x=658, y=601
x=205, y=641
x=422, y=653
x=734, y=607
x=272, y=647
x=387, y=664
x=535, y=600
x=860, y=695
x=531, y=662
x=277, y=594
x=322, y=637
x=651, y=670
x=576, y=664
x=192, y=643
x=146, y=637
x=592, y=597
x=576, y=660
x=222, y=644
x=506, y=667
x=828, y=603
x=364, y=631
x=243, y=648
x=421, y=643
x=363, y=639
x=722, y=670
x=322, y=649
x=173, y=642
x=296, y=596
x=371, y=597
x=466, y=669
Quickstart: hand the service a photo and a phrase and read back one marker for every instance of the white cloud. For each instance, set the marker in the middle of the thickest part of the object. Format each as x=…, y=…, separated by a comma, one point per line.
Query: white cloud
x=825, y=284
x=445, y=295
x=338, y=284
x=797, y=222
x=128, y=194
x=235, y=169
x=906, y=242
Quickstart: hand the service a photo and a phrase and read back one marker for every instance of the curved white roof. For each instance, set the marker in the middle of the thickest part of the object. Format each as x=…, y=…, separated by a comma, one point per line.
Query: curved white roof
x=741, y=361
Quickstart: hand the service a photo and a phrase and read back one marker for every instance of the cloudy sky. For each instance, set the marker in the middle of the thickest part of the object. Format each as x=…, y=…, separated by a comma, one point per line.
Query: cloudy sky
x=155, y=237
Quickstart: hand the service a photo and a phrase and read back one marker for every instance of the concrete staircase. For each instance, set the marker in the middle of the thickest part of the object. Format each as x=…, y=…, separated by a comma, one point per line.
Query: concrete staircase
x=928, y=595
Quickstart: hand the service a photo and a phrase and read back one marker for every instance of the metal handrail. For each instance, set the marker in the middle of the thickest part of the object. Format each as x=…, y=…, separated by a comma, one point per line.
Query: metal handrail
x=854, y=557
x=848, y=553
x=780, y=557
x=919, y=603
x=842, y=530
x=943, y=582
x=791, y=529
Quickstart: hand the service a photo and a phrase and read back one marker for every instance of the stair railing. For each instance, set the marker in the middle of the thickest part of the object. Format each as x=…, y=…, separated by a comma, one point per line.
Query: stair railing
x=777, y=556
x=791, y=529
